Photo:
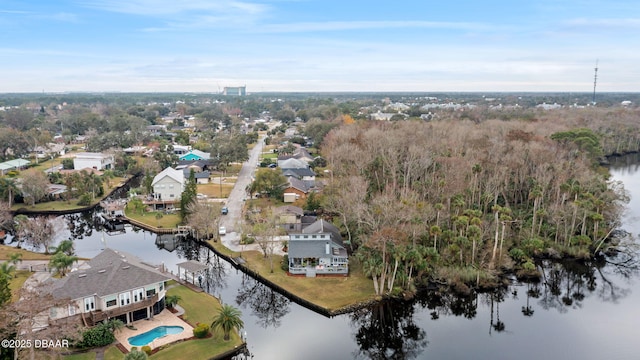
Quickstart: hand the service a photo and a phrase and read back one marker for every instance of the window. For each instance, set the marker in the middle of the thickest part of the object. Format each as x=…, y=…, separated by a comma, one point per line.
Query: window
x=171, y=195
x=151, y=292
x=313, y=236
x=112, y=302
x=89, y=304
x=125, y=299
x=170, y=186
x=161, y=285
x=138, y=295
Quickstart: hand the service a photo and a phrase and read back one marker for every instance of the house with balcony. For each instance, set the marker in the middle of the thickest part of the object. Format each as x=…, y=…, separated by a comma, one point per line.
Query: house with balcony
x=318, y=250
x=112, y=285
x=168, y=186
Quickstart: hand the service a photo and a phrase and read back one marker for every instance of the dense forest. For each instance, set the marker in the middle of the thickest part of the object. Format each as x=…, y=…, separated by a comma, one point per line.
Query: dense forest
x=463, y=199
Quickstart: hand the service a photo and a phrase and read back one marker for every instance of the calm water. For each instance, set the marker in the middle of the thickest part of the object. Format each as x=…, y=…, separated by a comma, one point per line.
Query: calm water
x=578, y=311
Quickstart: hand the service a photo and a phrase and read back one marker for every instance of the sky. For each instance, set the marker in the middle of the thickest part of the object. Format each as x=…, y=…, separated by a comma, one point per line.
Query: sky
x=319, y=45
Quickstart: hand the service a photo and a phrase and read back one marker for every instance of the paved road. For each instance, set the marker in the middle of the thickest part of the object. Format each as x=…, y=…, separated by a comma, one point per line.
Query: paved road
x=236, y=199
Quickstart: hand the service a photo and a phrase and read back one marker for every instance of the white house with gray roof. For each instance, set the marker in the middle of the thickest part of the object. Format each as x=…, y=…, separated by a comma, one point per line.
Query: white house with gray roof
x=168, y=185
x=113, y=284
x=318, y=250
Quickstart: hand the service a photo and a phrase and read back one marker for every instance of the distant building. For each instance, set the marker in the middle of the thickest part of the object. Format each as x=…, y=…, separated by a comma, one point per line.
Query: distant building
x=235, y=90
x=91, y=160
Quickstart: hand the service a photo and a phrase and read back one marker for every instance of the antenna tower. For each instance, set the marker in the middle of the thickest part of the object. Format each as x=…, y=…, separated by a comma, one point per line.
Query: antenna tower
x=595, y=80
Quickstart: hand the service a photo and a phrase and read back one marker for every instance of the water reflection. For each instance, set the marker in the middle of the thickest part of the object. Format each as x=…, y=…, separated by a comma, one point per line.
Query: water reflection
x=387, y=330
x=268, y=306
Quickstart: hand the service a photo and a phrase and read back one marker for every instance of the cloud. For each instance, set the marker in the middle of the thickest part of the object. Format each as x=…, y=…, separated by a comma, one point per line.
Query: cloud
x=162, y=8
x=362, y=25
x=611, y=23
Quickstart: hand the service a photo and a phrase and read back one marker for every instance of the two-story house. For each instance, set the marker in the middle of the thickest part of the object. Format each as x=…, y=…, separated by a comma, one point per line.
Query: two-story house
x=168, y=185
x=318, y=250
x=112, y=285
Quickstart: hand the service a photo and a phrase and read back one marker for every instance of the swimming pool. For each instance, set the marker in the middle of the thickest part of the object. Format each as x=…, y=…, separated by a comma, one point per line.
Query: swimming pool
x=158, y=332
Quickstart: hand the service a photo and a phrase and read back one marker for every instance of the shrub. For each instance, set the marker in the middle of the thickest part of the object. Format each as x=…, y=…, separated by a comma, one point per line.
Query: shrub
x=201, y=331
x=97, y=336
x=147, y=349
x=85, y=200
x=136, y=355
x=284, y=264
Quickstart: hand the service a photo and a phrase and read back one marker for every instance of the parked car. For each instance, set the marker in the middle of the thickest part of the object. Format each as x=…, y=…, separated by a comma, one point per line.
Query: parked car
x=222, y=230
x=225, y=210
x=272, y=166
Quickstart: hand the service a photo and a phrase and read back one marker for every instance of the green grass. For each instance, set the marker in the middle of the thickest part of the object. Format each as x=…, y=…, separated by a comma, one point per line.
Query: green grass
x=214, y=190
x=5, y=251
x=112, y=353
x=89, y=355
x=331, y=293
x=16, y=283
x=269, y=155
x=168, y=221
x=199, y=308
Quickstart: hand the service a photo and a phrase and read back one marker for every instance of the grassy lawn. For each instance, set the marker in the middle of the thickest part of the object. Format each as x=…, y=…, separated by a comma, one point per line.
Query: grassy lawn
x=331, y=293
x=213, y=190
x=72, y=204
x=269, y=155
x=89, y=355
x=169, y=221
x=5, y=251
x=199, y=308
x=16, y=283
x=112, y=353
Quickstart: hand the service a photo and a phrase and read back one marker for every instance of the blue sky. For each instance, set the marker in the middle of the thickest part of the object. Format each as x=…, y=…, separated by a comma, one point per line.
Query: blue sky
x=318, y=45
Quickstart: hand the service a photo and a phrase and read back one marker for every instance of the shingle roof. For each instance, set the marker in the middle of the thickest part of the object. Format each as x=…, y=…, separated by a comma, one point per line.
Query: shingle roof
x=298, y=184
x=110, y=272
x=322, y=226
x=176, y=175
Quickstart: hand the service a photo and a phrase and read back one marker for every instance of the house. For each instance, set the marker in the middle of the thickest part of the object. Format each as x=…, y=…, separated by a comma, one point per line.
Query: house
x=202, y=177
x=289, y=217
x=195, y=155
x=296, y=189
x=15, y=164
x=92, y=160
x=168, y=185
x=181, y=149
x=307, y=175
x=318, y=250
x=292, y=163
x=112, y=285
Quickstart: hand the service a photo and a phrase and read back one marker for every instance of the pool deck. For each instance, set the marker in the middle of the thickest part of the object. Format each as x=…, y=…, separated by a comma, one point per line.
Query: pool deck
x=165, y=318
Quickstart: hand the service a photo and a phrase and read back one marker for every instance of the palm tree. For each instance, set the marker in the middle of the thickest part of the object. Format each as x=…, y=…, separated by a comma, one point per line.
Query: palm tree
x=227, y=319
x=8, y=189
x=172, y=300
x=15, y=258
x=7, y=270
x=62, y=262
x=65, y=247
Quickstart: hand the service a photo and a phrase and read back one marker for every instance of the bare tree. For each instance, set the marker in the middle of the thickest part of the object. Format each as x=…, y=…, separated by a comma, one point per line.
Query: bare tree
x=39, y=231
x=35, y=186
x=203, y=218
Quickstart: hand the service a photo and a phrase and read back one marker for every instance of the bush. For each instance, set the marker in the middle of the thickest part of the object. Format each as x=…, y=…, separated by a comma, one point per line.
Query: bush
x=97, y=336
x=147, y=349
x=284, y=264
x=201, y=331
x=136, y=355
x=85, y=200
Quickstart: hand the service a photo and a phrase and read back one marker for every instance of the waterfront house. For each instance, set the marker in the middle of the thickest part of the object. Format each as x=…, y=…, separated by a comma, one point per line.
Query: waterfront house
x=318, y=250
x=112, y=285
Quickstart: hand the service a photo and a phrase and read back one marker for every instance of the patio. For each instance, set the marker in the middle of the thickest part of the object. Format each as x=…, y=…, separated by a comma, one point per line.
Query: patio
x=165, y=318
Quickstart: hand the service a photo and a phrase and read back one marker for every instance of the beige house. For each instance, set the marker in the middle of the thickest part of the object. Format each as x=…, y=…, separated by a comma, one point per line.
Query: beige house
x=113, y=285
x=168, y=185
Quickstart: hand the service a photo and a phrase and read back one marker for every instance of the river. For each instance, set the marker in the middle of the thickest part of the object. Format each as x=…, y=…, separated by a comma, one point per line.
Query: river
x=579, y=311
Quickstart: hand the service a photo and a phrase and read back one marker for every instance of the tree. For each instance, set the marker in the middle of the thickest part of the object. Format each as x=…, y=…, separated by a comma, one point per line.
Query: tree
x=172, y=300
x=61, y=262
x=189, y=196
x=203, y=218
x=35, y=186
x=8, y=190
x=268, y=182
x=39, y=231
x=5, y=290
x=227, y=319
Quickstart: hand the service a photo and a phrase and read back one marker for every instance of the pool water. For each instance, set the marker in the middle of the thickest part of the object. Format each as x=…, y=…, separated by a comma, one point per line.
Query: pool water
x=158, y=332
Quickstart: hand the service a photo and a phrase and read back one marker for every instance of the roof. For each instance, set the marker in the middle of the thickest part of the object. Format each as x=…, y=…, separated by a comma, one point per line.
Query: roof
x=323, y=226
x=192, y=266
x=110, y=272
x=292, y=164
x=298, y=172
x=197, y=153
x=176, y=175
x=289, y=209
x=13, y=164
x=92, y=155
x=298, y=184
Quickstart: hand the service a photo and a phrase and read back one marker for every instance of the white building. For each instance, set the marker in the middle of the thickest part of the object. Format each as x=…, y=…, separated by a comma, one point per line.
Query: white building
x=168, y=185
x=98, y=161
